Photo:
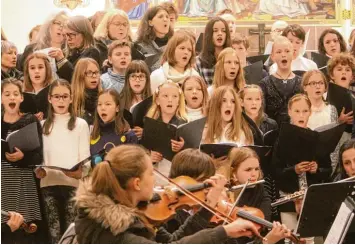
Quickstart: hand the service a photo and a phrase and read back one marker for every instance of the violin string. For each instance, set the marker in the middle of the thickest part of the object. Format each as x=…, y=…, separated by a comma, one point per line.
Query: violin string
x=196, y=199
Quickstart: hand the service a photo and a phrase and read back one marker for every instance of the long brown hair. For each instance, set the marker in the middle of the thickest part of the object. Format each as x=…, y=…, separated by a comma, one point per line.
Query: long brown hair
x=28, y=87
x=219, y=74
x=146, y=32
x=207, y=54
x=321, y=48
x=214, y=122
x=111, y=176
x=127, y=95
x=78, y=84
x=121, y=125
x=48, y=123
x=261, y=114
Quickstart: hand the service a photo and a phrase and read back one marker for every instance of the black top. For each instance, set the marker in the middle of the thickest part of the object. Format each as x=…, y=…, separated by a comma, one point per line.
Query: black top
x=91, y=96
x=161, y=41
x=276, y=96
x=66, y=71
x=268, y=124
x=13, y=73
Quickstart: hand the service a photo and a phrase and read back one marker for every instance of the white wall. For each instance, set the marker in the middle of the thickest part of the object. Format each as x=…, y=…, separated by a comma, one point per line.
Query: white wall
x=19, y=16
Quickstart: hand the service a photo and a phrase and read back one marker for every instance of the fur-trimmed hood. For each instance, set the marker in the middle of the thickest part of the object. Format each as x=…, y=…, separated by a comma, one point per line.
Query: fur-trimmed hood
x=102, y=209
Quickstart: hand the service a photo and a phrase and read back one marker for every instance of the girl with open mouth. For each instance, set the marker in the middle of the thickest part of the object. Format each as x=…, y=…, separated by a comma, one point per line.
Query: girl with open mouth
x=278, y=88
x=253, y=105
x=177, y=61
x=135, y=89
x=225, y=122
x=228, y=71
x=215, y=39
x=37, y=78
x=196, y=97
x=65, y=143
x=86, y=86
x=168, y=106
x=19, y=191
x=110, y=129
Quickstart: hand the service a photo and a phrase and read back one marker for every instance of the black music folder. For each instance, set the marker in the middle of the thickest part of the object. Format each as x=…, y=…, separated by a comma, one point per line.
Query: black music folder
x=254, y=73
x=34, y=103
x=253, y=59
x=137, y=113
x=25, y=139
x=339, y=97
x=157, y=135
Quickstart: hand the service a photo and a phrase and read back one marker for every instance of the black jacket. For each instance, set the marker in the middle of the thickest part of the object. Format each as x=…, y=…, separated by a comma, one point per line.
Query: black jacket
x=66, y=71
x=101, y=220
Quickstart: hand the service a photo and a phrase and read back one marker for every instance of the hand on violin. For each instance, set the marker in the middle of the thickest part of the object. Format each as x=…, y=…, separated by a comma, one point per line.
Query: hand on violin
x=40, y=173
x=14, y=157
x=156, y=156
x=218, y=182
x=277, y=233
x=77, y=174
x=15, y=221
x=346, y=118
x=313, y=167
x=240, y=227
x=302, y=167
x=176, y=146
x=138, y=131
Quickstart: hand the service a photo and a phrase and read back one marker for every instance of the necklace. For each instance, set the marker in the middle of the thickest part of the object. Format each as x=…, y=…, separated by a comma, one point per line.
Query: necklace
x=284, y=80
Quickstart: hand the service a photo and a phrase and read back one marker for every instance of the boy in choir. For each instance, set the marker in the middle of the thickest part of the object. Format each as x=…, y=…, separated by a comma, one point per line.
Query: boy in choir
x=119, y=56
x=296, y=34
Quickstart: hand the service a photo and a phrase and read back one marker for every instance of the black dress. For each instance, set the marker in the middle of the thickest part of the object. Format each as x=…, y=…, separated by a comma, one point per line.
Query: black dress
x=276, y=95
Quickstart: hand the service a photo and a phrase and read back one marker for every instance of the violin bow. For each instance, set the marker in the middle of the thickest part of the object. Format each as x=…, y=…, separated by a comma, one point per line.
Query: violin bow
x=219, y=214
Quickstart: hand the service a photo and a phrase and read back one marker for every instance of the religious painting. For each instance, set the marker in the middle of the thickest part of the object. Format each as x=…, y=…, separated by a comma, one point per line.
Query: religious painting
x=311, y=11
x=353, y=13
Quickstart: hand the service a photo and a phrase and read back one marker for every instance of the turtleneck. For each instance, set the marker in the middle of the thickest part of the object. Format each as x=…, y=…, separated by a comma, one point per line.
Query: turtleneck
x=161, y=41
x=61, y=118
x=194, y=114
x=107, y=127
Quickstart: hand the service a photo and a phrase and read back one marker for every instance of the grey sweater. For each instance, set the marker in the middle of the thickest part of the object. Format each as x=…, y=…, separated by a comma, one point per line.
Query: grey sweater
x=112, y=80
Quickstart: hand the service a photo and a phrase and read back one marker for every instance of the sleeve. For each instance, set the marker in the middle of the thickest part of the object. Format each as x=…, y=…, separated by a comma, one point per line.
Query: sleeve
x=265, y=205
x=154, y=80
x=84, y=145
x=65, y=70
x=34, y=157
x=198, y=66
x=333, y=114
x=192, y=224
x=324, y=170
x=207, y=236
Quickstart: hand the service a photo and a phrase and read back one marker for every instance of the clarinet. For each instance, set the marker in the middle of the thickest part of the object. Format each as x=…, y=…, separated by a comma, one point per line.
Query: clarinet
x=299, y=194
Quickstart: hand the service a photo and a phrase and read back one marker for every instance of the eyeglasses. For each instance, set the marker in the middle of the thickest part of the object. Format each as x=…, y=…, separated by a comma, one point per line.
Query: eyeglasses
x=92, y=73
x=119, y=24
x=71, y=35
x=57, y=97
x=134, y=77
x=314, y=84
x=59, y=23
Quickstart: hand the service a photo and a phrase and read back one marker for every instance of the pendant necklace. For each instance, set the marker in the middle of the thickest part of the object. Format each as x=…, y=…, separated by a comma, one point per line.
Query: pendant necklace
x=284, y=80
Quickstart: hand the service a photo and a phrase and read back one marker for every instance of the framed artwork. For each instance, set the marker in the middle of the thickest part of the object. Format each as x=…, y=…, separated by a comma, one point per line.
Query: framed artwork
x=353, y=13
x=248, y=11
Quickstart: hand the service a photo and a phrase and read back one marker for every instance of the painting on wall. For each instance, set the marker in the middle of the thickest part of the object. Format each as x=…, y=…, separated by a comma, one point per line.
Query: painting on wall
x=312, y=11
x=353, y=12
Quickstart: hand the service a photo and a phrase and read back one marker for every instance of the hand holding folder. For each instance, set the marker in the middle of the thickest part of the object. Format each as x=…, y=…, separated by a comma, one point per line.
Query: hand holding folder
x=157, y=135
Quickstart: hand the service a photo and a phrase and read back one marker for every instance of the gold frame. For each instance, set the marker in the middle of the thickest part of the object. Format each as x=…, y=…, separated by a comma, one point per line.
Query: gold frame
x=184, y=21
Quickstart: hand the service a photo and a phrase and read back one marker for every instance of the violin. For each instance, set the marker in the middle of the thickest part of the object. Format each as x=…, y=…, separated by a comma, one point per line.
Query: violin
x=28, y=228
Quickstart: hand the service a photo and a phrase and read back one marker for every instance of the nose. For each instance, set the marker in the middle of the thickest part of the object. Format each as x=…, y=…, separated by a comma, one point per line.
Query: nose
x=194, y=91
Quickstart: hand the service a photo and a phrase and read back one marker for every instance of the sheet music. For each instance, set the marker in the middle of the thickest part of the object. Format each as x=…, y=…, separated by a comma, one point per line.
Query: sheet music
x=340, y=223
